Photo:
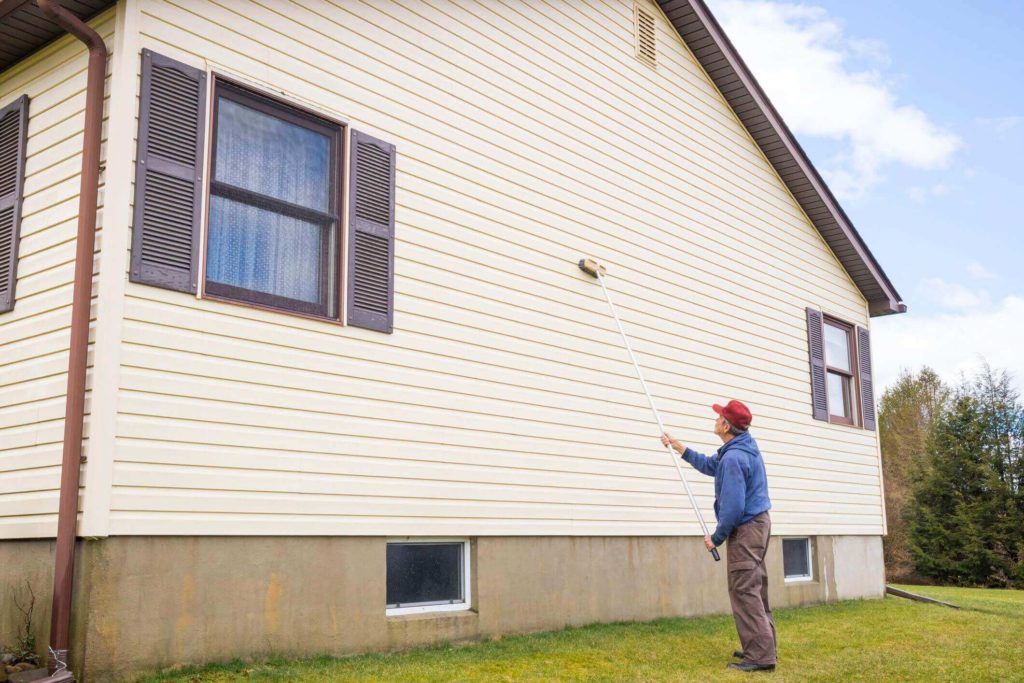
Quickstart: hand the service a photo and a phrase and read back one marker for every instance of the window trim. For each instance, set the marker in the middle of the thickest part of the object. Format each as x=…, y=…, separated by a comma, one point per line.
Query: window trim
x=338, y=132
x=853, y=375
x=801, y=578
x=467, y=586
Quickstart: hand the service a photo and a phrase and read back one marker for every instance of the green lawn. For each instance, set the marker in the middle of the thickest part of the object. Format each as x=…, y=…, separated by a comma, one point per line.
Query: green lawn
x=891, y=640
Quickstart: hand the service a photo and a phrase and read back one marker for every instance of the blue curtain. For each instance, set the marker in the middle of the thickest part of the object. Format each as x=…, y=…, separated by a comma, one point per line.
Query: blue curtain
x=263, y=251
x=253, y=247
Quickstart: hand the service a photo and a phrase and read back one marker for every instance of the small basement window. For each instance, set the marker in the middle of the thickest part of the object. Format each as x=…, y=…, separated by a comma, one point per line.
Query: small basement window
x=427, y=576
x=796, y=559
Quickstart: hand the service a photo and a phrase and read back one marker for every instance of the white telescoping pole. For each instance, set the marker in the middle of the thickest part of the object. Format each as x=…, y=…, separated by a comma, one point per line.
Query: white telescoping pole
x=657, y=417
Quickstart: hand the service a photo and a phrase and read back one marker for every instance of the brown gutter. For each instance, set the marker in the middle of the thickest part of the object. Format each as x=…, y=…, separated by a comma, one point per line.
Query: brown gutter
x=74, y=415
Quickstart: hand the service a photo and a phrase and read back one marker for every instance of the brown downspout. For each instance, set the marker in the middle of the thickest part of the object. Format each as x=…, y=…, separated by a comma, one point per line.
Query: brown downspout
x=74, y=414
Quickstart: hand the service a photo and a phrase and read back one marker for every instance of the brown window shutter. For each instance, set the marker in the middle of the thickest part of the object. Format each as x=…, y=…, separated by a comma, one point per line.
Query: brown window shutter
x=371, y=253
x=168, y=174
x=816, y=346
x=867, y=389
x=13, y=138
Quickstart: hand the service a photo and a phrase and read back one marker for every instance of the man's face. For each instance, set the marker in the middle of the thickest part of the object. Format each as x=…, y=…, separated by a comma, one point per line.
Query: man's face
x=721, y=429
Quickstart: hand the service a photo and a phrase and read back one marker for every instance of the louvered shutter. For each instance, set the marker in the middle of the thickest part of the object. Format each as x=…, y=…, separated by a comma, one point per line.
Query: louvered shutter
x=168, y=174
x=13, y=137
x=867, y=389
x=816, y=347
x=371, y=250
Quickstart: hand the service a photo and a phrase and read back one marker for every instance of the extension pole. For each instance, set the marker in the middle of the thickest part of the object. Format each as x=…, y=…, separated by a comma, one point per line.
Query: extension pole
x=657, y=416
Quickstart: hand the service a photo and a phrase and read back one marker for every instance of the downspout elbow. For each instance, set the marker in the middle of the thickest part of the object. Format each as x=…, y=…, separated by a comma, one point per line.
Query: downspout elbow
x=59, y=15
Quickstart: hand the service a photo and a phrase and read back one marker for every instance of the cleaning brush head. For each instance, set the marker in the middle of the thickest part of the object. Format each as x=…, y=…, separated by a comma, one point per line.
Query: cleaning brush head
x=591, y=267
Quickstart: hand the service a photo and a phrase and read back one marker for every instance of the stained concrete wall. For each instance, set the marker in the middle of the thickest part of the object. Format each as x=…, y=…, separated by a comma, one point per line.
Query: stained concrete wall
x=860, y=574
x=25, y=566
x=144, y=603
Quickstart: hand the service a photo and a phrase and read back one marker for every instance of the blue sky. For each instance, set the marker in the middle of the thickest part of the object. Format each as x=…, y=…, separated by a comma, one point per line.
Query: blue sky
x=914, y=112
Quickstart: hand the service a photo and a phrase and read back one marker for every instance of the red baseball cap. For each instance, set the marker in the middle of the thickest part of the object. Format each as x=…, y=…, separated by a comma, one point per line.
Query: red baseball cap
x=736, y=413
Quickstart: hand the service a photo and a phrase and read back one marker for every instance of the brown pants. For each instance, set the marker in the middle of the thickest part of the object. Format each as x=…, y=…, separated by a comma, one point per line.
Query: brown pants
x=748, y=589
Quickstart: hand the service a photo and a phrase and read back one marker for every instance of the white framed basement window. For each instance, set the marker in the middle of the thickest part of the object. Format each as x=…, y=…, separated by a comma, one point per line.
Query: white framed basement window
x=797, y=560
x=427, y=575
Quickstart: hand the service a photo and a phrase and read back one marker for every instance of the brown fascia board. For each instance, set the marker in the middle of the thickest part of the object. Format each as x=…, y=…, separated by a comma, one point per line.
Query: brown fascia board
x=702, y=33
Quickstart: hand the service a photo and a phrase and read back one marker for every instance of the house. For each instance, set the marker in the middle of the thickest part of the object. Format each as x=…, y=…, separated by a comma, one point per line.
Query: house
x=342, y=385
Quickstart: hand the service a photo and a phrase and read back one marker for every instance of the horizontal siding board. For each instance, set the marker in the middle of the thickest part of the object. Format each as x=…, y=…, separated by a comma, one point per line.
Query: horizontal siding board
x=184, y=415
x=36, y=480
x=31, y=457
x=28, y=504
x=29, y=526
x=355, y=459
x=619, y=385
x=335, y=391
x=35, y=367
x=404, y=503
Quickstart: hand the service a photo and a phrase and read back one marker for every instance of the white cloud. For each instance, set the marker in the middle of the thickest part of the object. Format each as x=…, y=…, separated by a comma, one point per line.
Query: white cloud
x=801, y=57
x=980, y=272
x=952, y=296
x=921, y=194
x=951, y=342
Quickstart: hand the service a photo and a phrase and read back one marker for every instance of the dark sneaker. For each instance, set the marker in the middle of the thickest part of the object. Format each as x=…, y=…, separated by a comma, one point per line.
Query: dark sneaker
x=738, y=654
x=750, y=667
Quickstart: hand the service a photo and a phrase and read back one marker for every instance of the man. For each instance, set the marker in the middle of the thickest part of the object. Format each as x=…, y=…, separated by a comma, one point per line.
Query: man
x=741, y=507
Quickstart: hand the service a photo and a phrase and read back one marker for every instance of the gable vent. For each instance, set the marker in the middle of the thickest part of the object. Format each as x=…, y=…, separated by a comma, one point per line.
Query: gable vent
x=644, y=29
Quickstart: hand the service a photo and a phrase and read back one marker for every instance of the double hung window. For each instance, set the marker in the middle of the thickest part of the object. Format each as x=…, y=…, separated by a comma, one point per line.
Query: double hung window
x=840, y=367
x=273, y=230
x=842, y=389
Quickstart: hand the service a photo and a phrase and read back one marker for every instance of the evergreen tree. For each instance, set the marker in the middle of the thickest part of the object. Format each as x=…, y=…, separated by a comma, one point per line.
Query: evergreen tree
x=967, y=514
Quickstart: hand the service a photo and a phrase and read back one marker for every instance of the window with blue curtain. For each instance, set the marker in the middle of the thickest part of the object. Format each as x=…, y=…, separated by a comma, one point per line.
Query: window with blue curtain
x=273, y=212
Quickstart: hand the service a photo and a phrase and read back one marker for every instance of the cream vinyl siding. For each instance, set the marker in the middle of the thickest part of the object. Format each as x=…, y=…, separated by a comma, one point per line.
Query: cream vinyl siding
x=528, y=136
x=34, y=337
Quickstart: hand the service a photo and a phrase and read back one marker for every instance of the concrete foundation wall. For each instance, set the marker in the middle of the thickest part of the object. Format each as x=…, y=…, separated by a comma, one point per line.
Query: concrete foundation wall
x=143, y=603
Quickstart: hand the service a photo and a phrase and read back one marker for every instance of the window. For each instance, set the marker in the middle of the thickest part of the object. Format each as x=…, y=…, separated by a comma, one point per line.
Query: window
x=427, y=576
x=273, y=200
x=273, y=230
x=842, y=388
x=796, y=559
x=840, y=366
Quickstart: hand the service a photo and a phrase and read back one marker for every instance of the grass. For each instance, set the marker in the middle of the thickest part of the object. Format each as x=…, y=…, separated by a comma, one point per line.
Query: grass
x=891, y=640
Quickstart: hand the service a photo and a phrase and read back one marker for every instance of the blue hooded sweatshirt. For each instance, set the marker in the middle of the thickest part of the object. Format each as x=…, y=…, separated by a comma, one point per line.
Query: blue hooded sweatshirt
x=741, y=485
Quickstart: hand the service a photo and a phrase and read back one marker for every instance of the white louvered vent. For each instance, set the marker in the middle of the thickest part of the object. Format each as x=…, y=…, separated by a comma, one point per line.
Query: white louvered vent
x=644, y=30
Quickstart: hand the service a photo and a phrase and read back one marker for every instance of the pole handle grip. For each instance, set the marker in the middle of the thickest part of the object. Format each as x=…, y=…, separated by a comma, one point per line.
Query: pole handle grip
x=714, y=554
